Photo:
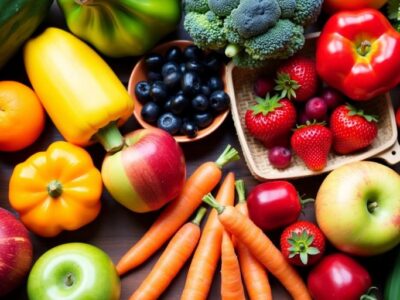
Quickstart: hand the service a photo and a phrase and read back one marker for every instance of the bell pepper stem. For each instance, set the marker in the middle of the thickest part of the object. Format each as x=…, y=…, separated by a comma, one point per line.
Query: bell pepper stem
x=364, y=48
x=110, y=137
x=54, y=189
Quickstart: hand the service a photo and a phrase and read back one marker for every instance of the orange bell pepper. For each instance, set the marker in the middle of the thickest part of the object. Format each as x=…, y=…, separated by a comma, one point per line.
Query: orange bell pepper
x=56, y=190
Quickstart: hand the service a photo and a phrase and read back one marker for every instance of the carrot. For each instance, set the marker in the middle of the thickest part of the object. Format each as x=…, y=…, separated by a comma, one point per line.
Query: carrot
x=261, y=247
x=201, y=182
x=254, y=274
x=231, y=280
x=178, y=251
x=208, y=252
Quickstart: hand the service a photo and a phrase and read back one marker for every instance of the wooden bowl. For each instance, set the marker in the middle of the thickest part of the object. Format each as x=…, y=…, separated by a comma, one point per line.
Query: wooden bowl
x=139, y=74
x=240, y=89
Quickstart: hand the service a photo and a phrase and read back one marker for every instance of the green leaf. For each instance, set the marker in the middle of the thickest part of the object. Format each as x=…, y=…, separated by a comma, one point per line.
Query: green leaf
x=313, y=251
x=291, y=255
x=304, y=257
x=393, y=10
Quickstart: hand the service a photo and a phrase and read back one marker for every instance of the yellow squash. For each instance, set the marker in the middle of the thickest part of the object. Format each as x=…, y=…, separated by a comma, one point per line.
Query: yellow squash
x=81, y=93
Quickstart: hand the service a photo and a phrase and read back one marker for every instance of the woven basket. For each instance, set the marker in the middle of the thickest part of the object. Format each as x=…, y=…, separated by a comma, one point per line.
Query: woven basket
x=240, y=83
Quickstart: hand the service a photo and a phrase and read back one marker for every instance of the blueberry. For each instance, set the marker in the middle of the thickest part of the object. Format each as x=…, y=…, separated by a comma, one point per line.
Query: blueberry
x=182, y=67
x=192, y=52
x=142, y=91
x=154, y=76
x=167, y=105
x=219, y=101
x=154, y=61
x=203, y=119
x=159, y=92
x=213, y=62
x=174, y=53
x=150, y=112
x=191, y=83
x=194, y=66
x=178, y=104
x=189, y=128
x=168, y=68
x=205, y=90
x=169, y=122
x=215, y=83
x=200, y=102
x=173, y=80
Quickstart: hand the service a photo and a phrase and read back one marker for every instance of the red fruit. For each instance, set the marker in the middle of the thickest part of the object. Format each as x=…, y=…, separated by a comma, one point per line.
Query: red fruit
x=312, y=143
x=332, y=97
x=270, y=119
x=263, y=86
x=352, y=129
x=279, y=157
x=297, y=79
x=316, y=109
x=398, y=117
x=302, y=243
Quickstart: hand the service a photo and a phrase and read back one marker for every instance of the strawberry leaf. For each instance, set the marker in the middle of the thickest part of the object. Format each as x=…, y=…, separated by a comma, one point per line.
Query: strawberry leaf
x=266, y=105
x=286, y=86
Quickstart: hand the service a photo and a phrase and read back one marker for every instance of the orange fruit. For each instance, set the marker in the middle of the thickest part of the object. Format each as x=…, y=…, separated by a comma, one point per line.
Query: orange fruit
x=22, y=117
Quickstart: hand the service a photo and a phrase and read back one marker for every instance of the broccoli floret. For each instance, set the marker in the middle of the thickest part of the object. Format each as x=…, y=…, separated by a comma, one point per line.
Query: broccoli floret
x=222, y=8
x=280, y=42
x=307, y=12
x=254, y=17
x=206, y=30
x=287, y=8
x=199, y=6
x=232, y=36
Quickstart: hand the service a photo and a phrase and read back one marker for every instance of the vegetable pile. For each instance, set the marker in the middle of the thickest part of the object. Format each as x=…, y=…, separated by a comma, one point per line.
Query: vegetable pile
x=250, y=31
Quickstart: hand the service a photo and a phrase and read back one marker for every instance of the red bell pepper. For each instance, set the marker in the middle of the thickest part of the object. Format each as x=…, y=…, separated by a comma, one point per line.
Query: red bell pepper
x=358, y=53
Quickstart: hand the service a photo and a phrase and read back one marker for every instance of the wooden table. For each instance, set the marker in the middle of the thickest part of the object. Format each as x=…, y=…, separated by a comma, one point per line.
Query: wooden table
x=116, y=228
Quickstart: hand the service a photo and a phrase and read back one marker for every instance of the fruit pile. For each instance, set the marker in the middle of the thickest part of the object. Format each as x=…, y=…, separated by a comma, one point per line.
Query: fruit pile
x=296, y=113
x=184, y=90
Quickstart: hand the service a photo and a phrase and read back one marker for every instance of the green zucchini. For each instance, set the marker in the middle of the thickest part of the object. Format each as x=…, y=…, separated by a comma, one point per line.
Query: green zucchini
x=18, y=20
x=392, y=285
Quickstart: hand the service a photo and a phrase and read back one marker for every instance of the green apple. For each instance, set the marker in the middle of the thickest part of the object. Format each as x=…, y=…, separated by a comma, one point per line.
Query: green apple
x=358, y=208
x=74, y=271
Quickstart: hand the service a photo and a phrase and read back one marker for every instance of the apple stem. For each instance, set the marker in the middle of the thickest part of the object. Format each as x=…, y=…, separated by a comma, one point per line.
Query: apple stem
x=230, y=154
x=241, y=191
x=371, y=206
x=110, y=137
x=54, y=188
x=69, y=279
x=199, y=216
x=210, y=200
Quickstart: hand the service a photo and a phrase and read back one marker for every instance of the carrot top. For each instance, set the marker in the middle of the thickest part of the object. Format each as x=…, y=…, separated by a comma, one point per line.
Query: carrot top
x=241, y=191
x=199, y=215
x=210, y=200
x=230, y=154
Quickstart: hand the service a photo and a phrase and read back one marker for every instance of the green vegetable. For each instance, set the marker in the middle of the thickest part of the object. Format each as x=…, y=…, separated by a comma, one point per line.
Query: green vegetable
x=288, y=8
x=392, y=286
x=18, y=20
x=253, y=17
x=205, y=30
x=281, y=41
x=121, y=28
x=307, y=12
x=393, y=13
x=255, y=30
x=222, y=7
x=199, y=6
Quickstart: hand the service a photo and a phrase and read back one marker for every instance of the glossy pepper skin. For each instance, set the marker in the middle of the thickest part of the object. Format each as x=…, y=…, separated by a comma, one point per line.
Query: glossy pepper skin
x=56, y=190
x=81, y=93
x=358, y=54
x=121, y=28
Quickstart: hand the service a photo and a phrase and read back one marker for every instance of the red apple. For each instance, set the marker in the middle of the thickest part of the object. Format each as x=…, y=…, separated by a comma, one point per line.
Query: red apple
x=15, y=252
x=147, y=173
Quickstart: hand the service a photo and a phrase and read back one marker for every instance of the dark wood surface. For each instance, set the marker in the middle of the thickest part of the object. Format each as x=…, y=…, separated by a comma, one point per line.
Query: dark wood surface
x=116, y=228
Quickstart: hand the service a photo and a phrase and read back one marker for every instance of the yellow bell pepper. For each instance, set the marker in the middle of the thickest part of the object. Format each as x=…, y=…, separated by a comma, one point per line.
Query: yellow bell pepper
x=81, y=93
x=56, y=190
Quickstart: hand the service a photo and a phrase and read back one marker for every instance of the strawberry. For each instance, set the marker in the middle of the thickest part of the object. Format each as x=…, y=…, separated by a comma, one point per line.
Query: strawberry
x=270, y=120
x=352, y=129
x=297, y=79
x=302, y=243
x=312, y=143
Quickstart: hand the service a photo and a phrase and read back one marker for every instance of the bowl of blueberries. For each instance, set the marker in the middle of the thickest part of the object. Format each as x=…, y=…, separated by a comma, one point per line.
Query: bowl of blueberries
x=181, y=89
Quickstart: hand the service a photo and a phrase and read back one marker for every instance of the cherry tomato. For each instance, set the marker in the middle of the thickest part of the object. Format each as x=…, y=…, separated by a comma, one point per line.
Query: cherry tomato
x=274, y=204
x=332, y=6
x=338, y=276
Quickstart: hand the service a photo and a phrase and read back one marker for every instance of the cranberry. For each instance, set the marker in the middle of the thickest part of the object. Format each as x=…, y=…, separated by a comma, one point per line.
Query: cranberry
x=316, y=109
x=263, y=86
x=332, y=97
x=279, y=157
